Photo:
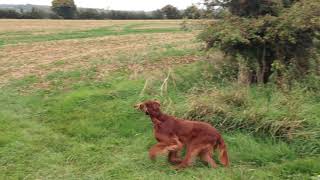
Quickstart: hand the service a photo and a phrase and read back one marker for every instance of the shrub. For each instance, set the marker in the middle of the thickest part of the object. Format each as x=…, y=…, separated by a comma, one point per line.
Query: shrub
x=261, y=34
x=9, y=14
x=89, y=14
x=35, y=14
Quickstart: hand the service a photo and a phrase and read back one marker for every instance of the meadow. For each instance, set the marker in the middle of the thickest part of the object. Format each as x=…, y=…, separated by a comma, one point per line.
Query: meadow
x=67, y=90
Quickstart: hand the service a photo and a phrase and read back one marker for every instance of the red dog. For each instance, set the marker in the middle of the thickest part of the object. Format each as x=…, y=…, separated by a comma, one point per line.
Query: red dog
x=200, y=138
x=168, y=142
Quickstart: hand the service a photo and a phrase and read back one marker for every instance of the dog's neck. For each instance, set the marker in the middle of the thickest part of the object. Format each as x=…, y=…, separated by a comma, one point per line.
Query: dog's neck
x=159, y=116
x=156, y=115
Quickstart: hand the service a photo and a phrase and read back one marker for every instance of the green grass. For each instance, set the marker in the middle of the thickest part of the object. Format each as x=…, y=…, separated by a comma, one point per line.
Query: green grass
x=92, y=131
x=84, y=128
x=292, y=116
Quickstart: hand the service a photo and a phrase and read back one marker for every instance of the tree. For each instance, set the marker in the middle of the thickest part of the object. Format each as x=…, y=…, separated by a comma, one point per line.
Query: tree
x=64, y=8
x=192, y=12
x=267, y=36
x=171, y=12
x=157, y=14
x=35, y=14
x=89, y=14
x=9, y=14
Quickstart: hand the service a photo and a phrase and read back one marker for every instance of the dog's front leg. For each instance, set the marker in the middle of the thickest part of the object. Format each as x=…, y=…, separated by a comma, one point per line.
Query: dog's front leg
x=157, y=149
x=173, y=156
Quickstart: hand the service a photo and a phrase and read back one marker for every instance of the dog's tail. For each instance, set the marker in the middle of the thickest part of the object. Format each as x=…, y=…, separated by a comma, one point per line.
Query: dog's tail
x=224, y=159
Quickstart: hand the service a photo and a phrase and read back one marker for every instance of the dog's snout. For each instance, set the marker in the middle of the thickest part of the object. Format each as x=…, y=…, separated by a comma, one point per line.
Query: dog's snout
x=137, y=106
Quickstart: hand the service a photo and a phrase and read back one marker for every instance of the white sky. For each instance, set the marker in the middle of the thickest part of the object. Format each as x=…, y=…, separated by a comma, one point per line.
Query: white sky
x=146, y=5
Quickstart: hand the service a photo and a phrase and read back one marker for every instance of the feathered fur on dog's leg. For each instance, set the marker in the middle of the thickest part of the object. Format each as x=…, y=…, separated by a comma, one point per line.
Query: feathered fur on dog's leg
x=224, y=159
x=158, y=149
x=206, y=156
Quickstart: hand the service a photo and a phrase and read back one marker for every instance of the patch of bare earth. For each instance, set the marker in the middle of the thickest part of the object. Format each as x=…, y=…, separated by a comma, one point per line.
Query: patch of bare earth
x=39, y=59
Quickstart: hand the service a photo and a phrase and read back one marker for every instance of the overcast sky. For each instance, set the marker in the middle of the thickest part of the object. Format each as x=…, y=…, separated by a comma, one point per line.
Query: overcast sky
x=146, y=5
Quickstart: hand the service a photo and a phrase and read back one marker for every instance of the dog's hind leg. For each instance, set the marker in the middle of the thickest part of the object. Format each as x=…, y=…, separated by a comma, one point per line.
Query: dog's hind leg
x=192, y=152
x=206, y=156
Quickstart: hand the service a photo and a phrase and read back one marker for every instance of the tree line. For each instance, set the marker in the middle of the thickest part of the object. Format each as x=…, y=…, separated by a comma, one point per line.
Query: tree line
x=66, y=9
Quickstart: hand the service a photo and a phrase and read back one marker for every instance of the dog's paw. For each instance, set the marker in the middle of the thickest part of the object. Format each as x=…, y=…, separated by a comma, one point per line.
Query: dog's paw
x=180, y=166
x=152, y=157
x=175, y=161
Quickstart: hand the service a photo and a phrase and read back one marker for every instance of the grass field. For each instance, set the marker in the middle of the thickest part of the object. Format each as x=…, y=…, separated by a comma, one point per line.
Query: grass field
x=68, y=90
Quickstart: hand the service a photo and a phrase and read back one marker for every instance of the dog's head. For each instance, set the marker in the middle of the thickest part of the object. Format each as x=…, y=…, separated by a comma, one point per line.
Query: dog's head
x=150, y=107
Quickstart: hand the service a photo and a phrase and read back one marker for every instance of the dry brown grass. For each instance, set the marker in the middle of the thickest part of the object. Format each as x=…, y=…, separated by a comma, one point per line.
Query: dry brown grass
x=105, y=54
x=17, y=61
x=160, y=24
x=50, y=26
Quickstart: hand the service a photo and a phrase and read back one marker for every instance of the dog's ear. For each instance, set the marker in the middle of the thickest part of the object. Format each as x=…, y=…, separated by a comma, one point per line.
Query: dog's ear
x=156, y=104
x=157, y=101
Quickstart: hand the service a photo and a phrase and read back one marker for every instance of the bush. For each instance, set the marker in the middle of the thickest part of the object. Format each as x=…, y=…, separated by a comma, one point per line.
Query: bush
x=54, y=16
x=35, y=14
x=9, y=14
x=89, y=14
x=260, y=35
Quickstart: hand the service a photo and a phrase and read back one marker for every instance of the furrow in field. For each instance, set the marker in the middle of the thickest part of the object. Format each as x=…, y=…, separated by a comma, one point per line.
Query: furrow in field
x=39, y=59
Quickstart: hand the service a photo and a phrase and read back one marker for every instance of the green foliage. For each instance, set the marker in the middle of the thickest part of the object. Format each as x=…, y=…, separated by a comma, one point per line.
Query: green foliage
x=171, y=12
x=254, y=8
x=89, y=14
x=67, y=9
x=9, y=14
x=158, y=14
x=35, y=14
x=192, y=12
x=249, y=8
x=284, y=34
x=128, y=15
x=64, y=8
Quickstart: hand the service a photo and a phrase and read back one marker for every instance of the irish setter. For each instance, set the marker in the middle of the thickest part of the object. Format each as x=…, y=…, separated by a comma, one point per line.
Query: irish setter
x=172, y=134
